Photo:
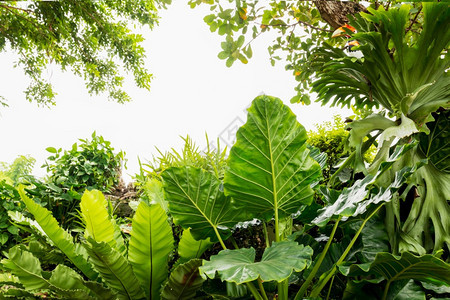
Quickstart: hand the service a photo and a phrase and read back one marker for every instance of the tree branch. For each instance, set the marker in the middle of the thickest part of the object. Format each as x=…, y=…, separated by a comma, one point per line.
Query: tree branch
x=413, y=20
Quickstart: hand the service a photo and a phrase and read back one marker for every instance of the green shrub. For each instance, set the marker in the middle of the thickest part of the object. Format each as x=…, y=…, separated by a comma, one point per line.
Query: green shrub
x=90, y=165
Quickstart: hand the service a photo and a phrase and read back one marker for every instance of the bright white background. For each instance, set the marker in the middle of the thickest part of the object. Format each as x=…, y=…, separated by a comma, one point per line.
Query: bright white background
x=192, y=92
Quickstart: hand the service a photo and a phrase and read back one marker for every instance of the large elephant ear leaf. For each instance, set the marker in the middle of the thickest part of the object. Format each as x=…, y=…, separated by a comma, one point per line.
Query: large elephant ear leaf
x=61, y=238
x=189, y=247
x=184, y=281
x=150, y=245
x=196, y=200
x=270, y=169
x=427, y=268
x=239, y=266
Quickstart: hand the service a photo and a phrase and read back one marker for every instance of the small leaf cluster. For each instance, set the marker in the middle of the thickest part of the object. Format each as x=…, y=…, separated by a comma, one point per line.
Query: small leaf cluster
x=9, y=201
x=92, y=164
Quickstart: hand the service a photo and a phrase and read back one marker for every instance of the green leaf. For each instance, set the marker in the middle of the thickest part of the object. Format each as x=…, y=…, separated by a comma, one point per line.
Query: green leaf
x=51, y=150
x=184, y=281
x=358, y=198
x=150, y=246
x=99, y=225
x=27, y=267
x=277, y=264
x=407, y=266
x=223, y=55
x=270, y=170
x=411, y=291
x=114, y=269
x=155, y=193
x=62, y=280
x=196, y=201
x=189, y=247
x=436, y=145
x=61, y=238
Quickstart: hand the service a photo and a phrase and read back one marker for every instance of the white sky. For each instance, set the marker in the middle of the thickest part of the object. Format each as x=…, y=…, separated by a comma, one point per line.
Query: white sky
x=192, y=92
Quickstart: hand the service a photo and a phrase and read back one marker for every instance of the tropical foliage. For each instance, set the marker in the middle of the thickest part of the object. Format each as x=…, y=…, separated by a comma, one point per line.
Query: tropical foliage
x=382, y=233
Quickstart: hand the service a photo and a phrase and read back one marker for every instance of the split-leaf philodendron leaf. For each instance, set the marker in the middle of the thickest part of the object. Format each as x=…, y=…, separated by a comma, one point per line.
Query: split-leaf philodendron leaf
x=356, y=200
x=196, y=201
x=270, y=169
x=277, y=263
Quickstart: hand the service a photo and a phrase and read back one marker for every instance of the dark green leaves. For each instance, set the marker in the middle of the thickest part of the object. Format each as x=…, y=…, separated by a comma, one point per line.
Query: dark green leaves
x=270, y=169
x=239, y=266
x=426, y=268
x=184, y=281
x=356, y=200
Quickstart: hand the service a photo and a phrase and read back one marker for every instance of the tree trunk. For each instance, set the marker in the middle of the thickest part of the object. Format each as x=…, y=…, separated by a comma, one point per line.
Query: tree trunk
x=335, y=12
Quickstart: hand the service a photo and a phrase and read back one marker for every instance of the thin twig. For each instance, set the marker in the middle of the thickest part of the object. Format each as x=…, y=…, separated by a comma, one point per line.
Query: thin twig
x=29, y=11
x=413, y=20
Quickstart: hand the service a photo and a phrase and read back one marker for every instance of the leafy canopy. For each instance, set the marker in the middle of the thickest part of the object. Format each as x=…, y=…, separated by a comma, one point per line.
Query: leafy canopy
x=88, y=38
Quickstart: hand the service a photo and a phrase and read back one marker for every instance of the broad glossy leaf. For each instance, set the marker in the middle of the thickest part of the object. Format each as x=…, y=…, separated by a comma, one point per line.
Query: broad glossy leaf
x=356, y=200
x=277, y=264
x=99, y=224
x=411, y=291
x=114, y=270
x=407, y=266
x=184, y=281
x=196, y=201
x=270, y=169
x=151, y=243
x=61, y=238
x=189, y=248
